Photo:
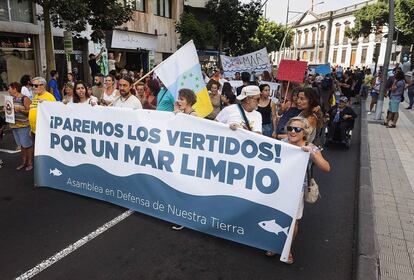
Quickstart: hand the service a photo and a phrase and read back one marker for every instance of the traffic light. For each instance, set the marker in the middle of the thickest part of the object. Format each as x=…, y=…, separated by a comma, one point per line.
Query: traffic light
x=376, y=52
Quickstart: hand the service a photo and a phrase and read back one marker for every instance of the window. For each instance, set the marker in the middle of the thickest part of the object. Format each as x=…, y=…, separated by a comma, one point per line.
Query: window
x=345, y=41
x=137, y=5
x=305, y=55
x=343, y=56
x=310, y=56
x=320, y=56
x=364, y=55
x=14, y=10
x=299, y=39
x=162, y=8
x=322, y=38
x=313, y=37
x=337, y=31
x=306, y=37
x=366, y=39
x=335, y=55
x=16, y=58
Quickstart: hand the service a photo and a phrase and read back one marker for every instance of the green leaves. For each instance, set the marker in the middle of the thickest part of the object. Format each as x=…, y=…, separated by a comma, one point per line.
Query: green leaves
x=190, y=28
x=74, y=15
x=371, y=18
x=269, y=34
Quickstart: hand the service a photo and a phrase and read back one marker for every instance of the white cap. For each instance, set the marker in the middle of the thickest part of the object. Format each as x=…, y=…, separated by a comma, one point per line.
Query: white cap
x=248, y=91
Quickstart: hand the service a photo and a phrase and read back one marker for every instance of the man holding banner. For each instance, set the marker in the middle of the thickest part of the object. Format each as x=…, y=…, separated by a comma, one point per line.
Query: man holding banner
x=243, y=115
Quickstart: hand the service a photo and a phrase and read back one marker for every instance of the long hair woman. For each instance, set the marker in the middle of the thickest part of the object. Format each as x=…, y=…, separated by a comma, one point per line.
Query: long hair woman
x=299, y=130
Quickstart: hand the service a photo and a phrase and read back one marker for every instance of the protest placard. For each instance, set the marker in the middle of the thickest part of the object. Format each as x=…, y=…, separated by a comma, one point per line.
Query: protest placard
x=323, y=69
x=236, y=185
x=257, y=62
x=292, y=70
x=9, y=109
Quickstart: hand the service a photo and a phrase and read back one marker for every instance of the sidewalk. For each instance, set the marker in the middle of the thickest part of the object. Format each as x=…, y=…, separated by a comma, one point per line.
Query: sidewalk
x=391, y=152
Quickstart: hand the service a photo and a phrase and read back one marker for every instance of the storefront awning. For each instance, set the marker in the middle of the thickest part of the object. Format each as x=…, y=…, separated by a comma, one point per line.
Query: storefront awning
x=132, y=40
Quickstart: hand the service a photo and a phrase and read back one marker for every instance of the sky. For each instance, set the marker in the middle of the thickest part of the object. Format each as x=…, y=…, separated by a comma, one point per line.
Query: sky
x=276, y=9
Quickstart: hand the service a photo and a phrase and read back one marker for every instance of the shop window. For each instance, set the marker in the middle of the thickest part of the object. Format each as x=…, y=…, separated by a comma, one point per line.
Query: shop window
x=16, y=58
x=162, y=8
x=15, y=10
x=137, y=5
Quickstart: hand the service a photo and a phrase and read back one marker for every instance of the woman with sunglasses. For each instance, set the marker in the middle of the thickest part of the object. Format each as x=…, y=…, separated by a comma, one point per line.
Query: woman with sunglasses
x=82, y=96
x=298, y=131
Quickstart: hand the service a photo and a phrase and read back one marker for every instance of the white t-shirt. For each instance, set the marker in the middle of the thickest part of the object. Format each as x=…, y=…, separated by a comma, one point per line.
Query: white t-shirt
x=109, y=98
x=27, y=92
x=231, y=114
x=130, y=102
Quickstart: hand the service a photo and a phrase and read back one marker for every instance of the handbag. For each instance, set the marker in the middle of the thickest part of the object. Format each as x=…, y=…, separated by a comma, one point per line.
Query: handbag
x=312, y=191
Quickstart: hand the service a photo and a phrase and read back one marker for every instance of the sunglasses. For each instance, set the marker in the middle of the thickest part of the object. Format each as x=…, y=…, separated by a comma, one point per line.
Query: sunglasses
x=37, y=85
x=294, y=128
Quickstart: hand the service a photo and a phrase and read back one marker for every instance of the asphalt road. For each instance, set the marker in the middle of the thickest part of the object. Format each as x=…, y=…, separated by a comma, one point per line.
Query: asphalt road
x=36, y=223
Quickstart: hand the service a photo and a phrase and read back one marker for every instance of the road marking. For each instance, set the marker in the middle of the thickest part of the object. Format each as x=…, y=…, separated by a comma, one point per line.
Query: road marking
x=9, y=151
x=71, y=248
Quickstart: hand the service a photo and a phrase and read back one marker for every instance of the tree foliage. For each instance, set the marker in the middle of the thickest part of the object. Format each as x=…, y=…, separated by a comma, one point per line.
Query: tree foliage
x=235, y=23
x=190, y=28
x=372, y=17
x=269, y=34
x=369, y=19
x=74, y=15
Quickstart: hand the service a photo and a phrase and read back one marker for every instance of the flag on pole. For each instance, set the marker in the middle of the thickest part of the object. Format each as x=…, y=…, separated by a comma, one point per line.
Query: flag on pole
x=183, y=70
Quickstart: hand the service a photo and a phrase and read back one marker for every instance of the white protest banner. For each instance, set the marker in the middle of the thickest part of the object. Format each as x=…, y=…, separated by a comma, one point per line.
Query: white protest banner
x=257, y=62
x=235, y=84
x=237, y=185
x=9, y=109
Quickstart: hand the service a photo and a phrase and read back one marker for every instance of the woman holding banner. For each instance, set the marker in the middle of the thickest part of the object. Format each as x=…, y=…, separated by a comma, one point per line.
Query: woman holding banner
x=186, y=100
x=299, y=132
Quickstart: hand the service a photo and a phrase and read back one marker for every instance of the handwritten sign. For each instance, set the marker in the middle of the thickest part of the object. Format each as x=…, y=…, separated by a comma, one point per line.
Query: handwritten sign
x=9, y=109
x=257, y=62
x=292, y=70
x=323, y=69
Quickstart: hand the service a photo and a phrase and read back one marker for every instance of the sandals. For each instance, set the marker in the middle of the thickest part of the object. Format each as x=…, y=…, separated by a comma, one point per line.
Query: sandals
x=290, y=259
x=29, y=167
x=391, y=126
x=270, y=254
x=177, y=227
x=21, y=166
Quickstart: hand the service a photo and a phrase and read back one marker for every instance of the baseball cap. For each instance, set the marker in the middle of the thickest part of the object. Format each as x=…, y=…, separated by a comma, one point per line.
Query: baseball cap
x=248, y=91
x=343, y=99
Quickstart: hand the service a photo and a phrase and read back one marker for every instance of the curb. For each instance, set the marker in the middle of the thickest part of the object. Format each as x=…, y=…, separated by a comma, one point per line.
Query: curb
x=367, y=262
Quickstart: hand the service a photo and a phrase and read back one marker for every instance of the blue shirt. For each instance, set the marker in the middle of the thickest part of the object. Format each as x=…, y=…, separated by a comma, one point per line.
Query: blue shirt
x=53, y=86
x=165, y=100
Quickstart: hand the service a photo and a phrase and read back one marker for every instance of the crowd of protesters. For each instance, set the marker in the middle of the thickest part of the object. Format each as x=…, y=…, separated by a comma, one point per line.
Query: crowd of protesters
x=296, y=113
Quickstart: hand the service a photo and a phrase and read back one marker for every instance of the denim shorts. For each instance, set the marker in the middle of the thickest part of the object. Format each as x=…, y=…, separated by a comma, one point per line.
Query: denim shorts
x=394, y=105
x=22, y=136
x=267, y=129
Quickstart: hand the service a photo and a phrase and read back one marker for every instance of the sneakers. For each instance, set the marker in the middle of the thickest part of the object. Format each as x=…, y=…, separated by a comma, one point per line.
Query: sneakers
x=409, y=108
x=369, y=113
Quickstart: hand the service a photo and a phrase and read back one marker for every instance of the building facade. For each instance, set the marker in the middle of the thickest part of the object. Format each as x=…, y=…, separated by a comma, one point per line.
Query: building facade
x=149, y=37
x=320, y=38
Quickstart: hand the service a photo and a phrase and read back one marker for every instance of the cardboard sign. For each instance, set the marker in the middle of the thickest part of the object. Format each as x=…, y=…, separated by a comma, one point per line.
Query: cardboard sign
x=257, y=62
x=323, y=69
x=9, y=109
x=292, y=70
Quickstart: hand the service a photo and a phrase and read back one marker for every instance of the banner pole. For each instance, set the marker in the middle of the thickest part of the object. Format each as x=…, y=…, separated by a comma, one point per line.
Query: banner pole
x=287, y=89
